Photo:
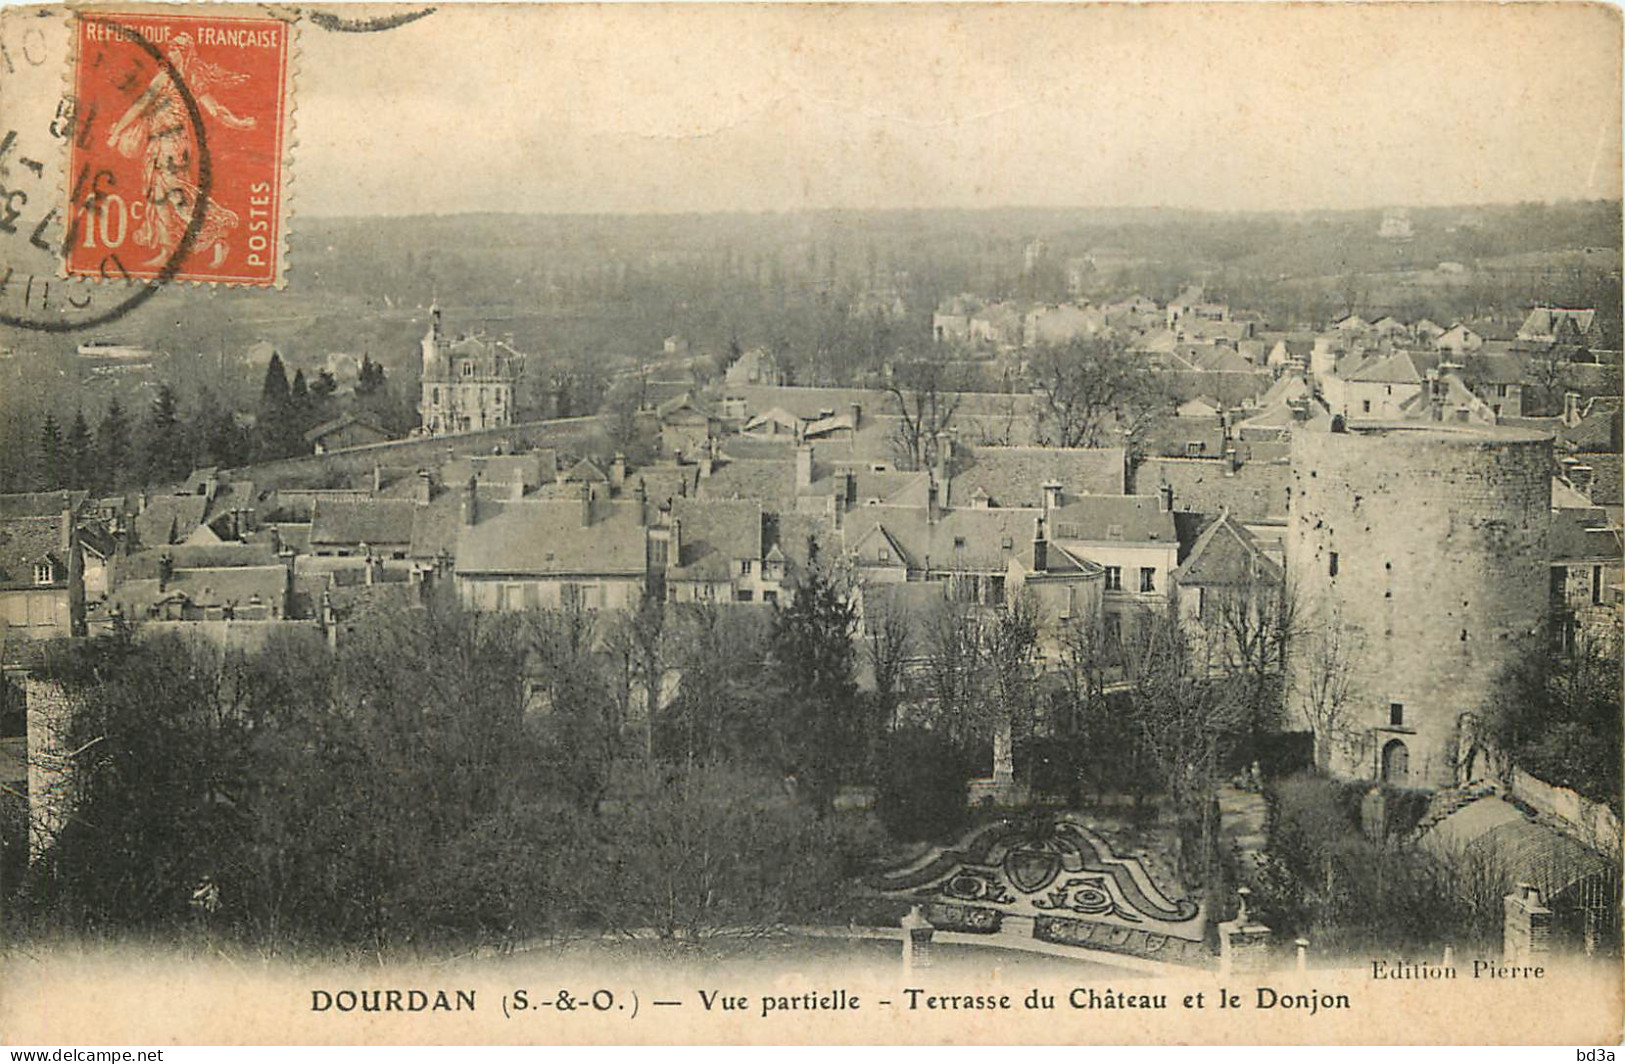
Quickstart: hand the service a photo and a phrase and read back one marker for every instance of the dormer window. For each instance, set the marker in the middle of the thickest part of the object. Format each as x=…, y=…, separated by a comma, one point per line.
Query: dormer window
x=43, y=573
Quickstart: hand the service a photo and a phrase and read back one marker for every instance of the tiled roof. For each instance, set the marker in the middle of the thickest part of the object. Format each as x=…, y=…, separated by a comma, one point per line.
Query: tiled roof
x=1579, y=535
x=435, y=525
x=961, y=538
x=344, y=421
x=1015, y=476
x=530, y=469
x=1397, y=368
x=1225, y=554
x=207, y=587
x=888, y=486
x=26, y=542
x=768, y=481
x=1253, y=492
x=491, y=358
x=586, y=471
x=1172, y=435
x=143, y=564
x=1605, y=480
x=1598, y=429
x=714, y=534
x=169, y=518
x=1132, y=519
x=547, y=538
x=373, y=521
x=662, y=483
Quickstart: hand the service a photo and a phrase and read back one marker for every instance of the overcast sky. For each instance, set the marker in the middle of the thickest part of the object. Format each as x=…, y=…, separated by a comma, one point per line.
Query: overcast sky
x=699, y=108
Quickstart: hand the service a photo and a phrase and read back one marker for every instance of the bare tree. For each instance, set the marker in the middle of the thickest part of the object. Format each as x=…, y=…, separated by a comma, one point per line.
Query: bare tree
x=1324, y=689
x=926, y=404
x=955, y=670
x=889, y=647
x=1188, y=721
x=1251, y=629
x=1094, y=392
x=1010, y=654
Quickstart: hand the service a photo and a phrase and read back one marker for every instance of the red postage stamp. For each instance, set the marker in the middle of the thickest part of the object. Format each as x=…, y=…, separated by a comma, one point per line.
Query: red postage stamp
x=175, y=170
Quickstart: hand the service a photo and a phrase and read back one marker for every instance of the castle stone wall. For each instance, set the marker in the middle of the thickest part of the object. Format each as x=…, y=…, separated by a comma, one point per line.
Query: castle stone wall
x=1441, y=576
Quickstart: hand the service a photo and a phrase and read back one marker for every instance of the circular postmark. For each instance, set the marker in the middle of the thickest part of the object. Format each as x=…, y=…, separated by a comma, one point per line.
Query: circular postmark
x=143, y=289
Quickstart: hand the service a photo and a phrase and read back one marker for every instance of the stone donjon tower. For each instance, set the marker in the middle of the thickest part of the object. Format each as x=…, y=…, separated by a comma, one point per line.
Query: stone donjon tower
x=468, y=383
x=1418, y=557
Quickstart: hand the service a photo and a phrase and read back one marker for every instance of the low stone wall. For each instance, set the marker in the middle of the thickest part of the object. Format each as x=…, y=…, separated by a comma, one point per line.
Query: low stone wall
x=1129, y=941
x=965, y=919
x=1589, y=822
x=574, y=433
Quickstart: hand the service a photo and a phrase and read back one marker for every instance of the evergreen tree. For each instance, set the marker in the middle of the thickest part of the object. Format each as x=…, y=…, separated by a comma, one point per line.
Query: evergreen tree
x=164, y=449
x=52, y=473
x=814, y=664
x=277, y=424
x=216, y=438
x=371, y=380
x=113, y=443
x=274, y=392
x=299, y=391
x=81, y=452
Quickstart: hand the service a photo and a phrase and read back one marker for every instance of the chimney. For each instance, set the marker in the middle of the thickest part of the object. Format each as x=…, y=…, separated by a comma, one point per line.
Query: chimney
x=377, y=478
x=471, y=502
x=1571, y=408
x=425, y=490
x=857, y=416
x=1232, y=462
x=642, y=503
x=674, y=544
x=1052, y=495
x=849, y=492
x=65, y=530
x=142, y=500
x=1580, y=477
x=705, y=467
x=166, y=571
x=804, y=466
x=1040, y=547
x=1166, y=493
x=931, y=504
x=945, y=449
x=586, y=505
x=617, y=473
x=372, y=569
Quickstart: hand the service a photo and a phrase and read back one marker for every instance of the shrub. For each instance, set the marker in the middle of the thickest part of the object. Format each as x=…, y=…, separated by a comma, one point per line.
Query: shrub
x=922, y=787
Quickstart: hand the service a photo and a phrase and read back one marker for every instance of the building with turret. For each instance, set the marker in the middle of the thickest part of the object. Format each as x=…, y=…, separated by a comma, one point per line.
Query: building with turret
x=468, y=383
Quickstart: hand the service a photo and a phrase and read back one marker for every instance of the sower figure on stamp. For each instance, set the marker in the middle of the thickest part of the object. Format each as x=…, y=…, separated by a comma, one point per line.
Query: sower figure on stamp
x=158, y=125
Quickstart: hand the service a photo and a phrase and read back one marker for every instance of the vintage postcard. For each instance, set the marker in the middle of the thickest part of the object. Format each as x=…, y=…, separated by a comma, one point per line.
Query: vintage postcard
x=777, y=523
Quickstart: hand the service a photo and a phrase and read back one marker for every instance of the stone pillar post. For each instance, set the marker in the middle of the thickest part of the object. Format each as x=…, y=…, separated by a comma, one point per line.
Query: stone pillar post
x=917, y=934
x=1527, y=930
x=1244, y=943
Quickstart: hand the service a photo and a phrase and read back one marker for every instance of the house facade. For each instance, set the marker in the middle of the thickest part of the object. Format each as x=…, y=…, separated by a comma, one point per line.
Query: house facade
x=468, y=383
